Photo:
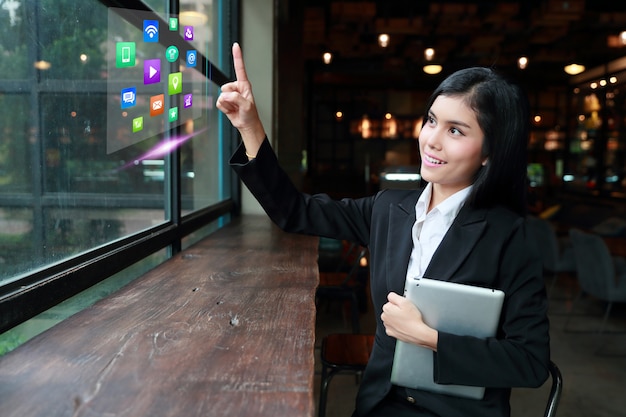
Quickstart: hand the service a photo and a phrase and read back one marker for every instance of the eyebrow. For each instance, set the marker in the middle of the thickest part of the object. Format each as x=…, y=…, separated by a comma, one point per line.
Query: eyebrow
x=453, y=122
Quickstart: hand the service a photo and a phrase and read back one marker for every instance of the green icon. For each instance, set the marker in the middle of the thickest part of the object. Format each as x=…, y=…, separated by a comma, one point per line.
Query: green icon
x=137, y=124
x=175, y=83
x=173, y=23
x=124, y=54
x=171, y=53
x=173, y=113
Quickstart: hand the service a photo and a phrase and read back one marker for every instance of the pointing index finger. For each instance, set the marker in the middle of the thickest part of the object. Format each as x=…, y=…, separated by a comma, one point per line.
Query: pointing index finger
x=240, y=68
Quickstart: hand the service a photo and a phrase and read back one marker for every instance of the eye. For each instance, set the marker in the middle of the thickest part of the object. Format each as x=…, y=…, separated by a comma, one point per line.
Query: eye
x=430, y=120
x=455, y=131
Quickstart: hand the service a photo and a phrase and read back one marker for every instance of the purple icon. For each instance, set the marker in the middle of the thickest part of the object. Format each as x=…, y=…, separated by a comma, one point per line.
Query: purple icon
x=188, y=32
x=151, y=71
x=188, y=100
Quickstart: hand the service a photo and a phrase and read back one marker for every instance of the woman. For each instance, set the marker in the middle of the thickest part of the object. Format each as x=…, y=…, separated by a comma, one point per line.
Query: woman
x=467, y=226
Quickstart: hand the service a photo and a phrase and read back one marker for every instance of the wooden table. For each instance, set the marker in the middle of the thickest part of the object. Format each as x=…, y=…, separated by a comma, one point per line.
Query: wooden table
x=225, y=328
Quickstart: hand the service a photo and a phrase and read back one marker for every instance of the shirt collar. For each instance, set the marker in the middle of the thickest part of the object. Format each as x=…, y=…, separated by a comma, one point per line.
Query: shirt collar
x=449, y=208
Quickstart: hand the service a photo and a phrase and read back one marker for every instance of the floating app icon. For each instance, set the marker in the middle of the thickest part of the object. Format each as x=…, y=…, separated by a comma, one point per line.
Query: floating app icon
x=171, y=53
x=150, y=30
x=192, y=57
x=188, y=33
x=175, y=83
x=173, y=24
x=151, y=71
x=137, y=124
x=187, y=100
x=173, y=114
x=124, y=54
x=129, y=97
x=157, y=105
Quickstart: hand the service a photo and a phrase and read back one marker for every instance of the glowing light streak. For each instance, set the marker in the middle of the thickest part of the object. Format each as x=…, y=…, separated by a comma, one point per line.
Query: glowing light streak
x=163, y=148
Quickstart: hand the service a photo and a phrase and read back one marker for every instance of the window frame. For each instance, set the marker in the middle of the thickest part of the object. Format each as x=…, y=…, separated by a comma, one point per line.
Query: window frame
x=37, y=291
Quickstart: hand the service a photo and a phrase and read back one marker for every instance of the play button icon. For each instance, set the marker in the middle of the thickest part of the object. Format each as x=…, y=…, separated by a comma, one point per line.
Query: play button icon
x=151, y=71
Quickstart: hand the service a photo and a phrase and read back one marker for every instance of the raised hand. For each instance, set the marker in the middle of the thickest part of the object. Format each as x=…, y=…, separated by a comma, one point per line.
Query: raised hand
x=236, y=101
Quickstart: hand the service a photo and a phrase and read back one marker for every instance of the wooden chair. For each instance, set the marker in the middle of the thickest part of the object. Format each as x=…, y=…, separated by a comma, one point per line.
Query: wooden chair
x=342, y=352
x=347, y=282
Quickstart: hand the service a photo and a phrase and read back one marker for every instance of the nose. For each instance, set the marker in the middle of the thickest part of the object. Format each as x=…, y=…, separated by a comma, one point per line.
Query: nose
x=432, y=137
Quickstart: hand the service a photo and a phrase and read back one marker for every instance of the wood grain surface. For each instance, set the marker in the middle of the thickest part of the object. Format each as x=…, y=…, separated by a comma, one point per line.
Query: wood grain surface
x=225, y=328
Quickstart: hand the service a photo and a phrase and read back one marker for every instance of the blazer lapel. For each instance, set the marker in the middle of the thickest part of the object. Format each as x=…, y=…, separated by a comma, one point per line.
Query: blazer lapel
x=400, y=242
x=457, y=244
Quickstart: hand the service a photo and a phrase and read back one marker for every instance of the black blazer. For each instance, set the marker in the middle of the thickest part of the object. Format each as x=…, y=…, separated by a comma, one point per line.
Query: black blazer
x=484, y=247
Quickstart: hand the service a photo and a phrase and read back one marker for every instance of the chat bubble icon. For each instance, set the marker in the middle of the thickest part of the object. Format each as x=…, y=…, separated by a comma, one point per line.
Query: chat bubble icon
x=129, y=97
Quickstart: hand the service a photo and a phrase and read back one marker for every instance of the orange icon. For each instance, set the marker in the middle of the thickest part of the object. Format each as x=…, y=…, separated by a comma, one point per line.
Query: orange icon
x=157, y=105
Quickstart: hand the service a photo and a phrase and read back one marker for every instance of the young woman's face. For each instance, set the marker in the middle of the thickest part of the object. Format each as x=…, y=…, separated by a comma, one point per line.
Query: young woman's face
x=450, y=145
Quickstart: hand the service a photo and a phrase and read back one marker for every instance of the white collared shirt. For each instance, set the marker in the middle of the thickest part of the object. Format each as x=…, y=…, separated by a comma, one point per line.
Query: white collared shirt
x=430, y=228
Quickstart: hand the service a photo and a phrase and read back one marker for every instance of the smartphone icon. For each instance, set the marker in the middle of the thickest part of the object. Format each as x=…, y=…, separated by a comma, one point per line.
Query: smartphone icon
x=125, y=54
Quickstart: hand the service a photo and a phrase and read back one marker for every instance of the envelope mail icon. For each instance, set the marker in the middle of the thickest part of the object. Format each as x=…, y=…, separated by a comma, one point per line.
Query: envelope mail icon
x=157, y=105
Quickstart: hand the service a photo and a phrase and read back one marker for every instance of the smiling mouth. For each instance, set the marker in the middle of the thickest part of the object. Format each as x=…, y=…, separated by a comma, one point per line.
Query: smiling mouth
x=434, y=161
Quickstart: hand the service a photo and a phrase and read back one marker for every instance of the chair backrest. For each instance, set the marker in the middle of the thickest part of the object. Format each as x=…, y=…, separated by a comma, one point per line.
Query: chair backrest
x=348, y=271
x=359, y=254
x=555, y=391
x=546, y=239
x=594, y=264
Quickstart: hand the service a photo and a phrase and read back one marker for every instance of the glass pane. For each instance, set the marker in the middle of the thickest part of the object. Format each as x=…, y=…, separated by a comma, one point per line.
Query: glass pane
x=69, y=48
x=20, y=334
x=66, y=85
x=14, y=48
x=15, y=144
x=16, y=242
x=201, y=157
x=597, y=149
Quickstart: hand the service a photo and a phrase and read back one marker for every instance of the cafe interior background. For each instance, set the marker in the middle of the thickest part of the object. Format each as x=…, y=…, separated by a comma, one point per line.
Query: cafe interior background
x=367, y=68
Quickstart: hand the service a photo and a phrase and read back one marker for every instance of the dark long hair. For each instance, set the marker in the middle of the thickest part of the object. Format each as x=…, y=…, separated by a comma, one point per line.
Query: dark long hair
x=502, y=112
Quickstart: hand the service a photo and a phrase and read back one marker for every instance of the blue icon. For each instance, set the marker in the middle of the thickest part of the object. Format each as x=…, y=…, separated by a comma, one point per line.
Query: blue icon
x=150, y=30
x=192, y=58
x=129, y=97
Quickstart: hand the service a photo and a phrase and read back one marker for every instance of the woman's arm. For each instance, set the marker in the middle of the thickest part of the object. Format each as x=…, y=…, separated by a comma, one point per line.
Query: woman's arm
x=236, y=101
x=298, y=212
x=518, y=356
x=403, y=321
x=287, y=207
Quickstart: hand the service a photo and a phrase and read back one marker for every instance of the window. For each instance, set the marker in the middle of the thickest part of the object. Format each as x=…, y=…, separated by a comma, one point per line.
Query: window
x=111, y=148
